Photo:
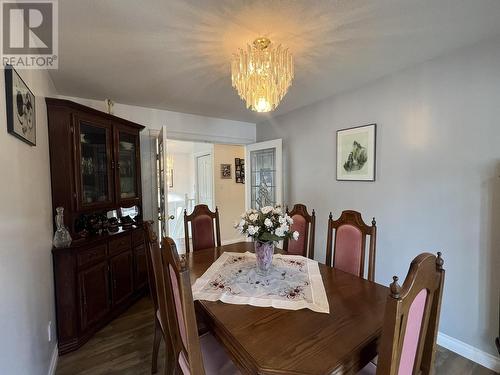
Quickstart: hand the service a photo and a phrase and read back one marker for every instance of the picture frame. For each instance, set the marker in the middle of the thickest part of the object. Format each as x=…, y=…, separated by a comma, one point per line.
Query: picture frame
x=239, y=170
x=225, y=171
x=356, y=153
x=20, y=107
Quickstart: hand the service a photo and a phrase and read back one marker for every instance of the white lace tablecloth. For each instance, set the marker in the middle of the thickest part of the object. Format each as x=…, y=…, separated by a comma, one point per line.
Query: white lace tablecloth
x=294, y=283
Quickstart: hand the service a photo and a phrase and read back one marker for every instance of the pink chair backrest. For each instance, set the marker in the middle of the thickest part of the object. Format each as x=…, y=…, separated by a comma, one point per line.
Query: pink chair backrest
x=412, y=334
x=348, y=249
x=181, y=314
x=299, y=247
x=411, y=320
x=202, y=229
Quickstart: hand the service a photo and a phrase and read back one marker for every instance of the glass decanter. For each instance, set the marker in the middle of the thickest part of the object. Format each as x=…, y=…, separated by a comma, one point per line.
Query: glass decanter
x=62, y=237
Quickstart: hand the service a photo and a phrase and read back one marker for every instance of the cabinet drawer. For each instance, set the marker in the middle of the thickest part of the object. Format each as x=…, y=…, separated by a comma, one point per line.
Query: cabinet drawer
x=137, y=237
x=117, y=245
x=91, y=255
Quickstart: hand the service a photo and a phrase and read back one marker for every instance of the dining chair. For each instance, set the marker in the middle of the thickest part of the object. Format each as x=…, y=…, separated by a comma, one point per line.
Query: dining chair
x=349, y=244
x=158, y=295
x=305, y=224
x=202, y=228
x=411, y=320
x=151, y=240
x=193, y=354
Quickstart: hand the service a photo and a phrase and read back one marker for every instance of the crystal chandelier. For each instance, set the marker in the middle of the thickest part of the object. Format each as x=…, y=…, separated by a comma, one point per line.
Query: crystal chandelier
x=262, y=74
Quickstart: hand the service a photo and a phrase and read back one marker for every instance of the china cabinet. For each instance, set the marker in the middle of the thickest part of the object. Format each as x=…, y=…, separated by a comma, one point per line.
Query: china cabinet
x=96, y=177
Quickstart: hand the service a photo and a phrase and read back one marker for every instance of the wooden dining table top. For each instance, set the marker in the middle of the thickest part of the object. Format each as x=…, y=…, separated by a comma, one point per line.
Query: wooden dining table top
x=265, y=340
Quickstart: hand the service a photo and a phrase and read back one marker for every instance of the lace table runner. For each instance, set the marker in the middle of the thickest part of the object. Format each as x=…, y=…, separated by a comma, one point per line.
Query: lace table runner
x=293, y=283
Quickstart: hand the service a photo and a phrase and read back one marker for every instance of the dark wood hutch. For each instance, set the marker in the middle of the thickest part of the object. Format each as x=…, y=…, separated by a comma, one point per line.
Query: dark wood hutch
x=95, y=170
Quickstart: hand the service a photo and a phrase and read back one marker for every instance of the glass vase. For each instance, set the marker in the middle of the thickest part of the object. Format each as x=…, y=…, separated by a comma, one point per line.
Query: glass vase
x=264, y=256
x=62, y=238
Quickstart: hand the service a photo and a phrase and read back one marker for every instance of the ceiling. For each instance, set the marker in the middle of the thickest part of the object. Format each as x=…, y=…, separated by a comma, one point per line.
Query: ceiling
x=175, y=54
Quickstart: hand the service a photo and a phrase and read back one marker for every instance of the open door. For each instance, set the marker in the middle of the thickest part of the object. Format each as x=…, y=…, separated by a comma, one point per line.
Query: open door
x=163, y=183
x=204, y=176
x=264, y=174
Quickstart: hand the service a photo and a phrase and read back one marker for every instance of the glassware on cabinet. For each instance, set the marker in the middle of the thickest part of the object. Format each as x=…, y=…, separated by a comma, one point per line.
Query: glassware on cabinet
x=93, y=163
x=127, y=156
x=62, y=238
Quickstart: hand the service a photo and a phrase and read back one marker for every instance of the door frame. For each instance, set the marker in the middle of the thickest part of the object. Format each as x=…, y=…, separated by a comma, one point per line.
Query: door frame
x=148, y=145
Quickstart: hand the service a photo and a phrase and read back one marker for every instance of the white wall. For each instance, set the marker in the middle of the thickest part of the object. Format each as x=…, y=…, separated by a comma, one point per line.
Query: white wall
x=26, y=279
x=438, y=185
x=180, y=126
x=183, y=174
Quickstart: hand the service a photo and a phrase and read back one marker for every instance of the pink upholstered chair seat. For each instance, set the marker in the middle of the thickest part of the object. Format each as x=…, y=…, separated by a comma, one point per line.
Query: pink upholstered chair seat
x=215, y=359
x=369, y=369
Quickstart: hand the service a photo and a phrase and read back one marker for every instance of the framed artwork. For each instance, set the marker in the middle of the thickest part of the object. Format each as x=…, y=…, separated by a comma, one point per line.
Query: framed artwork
x=20, y=105
x=239, y=170
x=225, y=171
x=356, y=153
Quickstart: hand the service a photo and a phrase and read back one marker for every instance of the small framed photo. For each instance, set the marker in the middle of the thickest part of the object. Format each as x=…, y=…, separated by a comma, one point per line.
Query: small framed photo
x=20, y=105
x=225, y=171
x=239, y=167
x=356, y=153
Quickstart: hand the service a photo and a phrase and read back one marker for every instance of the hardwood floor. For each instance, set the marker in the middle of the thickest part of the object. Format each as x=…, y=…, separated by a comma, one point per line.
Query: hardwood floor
x=124, y=348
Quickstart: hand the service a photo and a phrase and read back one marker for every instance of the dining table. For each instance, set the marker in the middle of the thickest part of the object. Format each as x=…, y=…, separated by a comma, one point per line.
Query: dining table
x=267, y=340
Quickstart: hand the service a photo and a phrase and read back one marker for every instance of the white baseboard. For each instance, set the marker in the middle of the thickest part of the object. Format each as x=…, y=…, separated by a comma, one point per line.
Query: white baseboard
x=53, y=361
x=234, y=240
x=465, y=350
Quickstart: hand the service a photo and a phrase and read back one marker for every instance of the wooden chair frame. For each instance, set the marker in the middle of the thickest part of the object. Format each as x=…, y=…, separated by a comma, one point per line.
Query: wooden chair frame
x=151, y=239
x=300, y=209
x=353, y=218
x=192, y=352
x=201, y=209
x=426, y=272
x=155, y=267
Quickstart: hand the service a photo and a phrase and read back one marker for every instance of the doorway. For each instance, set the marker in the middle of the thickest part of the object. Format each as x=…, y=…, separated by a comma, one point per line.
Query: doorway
x=190, y=173
x=204, y=179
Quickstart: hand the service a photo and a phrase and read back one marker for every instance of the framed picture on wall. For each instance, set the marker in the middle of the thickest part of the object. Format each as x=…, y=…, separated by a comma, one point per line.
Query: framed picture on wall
x=239, y=170
x=225, y=171
x=356, y=153
x=20, y=105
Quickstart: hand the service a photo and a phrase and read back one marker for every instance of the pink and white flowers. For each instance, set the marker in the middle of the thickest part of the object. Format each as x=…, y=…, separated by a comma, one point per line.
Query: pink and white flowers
x=269, y=224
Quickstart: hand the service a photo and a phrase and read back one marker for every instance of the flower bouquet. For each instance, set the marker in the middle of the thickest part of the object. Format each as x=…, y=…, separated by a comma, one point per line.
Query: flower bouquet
x=266, y=227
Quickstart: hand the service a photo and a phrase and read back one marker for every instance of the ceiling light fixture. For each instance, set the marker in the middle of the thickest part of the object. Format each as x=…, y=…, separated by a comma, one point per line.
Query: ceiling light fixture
x=262, y=74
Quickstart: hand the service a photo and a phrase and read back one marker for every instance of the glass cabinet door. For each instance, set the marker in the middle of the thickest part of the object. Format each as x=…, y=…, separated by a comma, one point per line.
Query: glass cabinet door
x=127, y=165
x=95, y=176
